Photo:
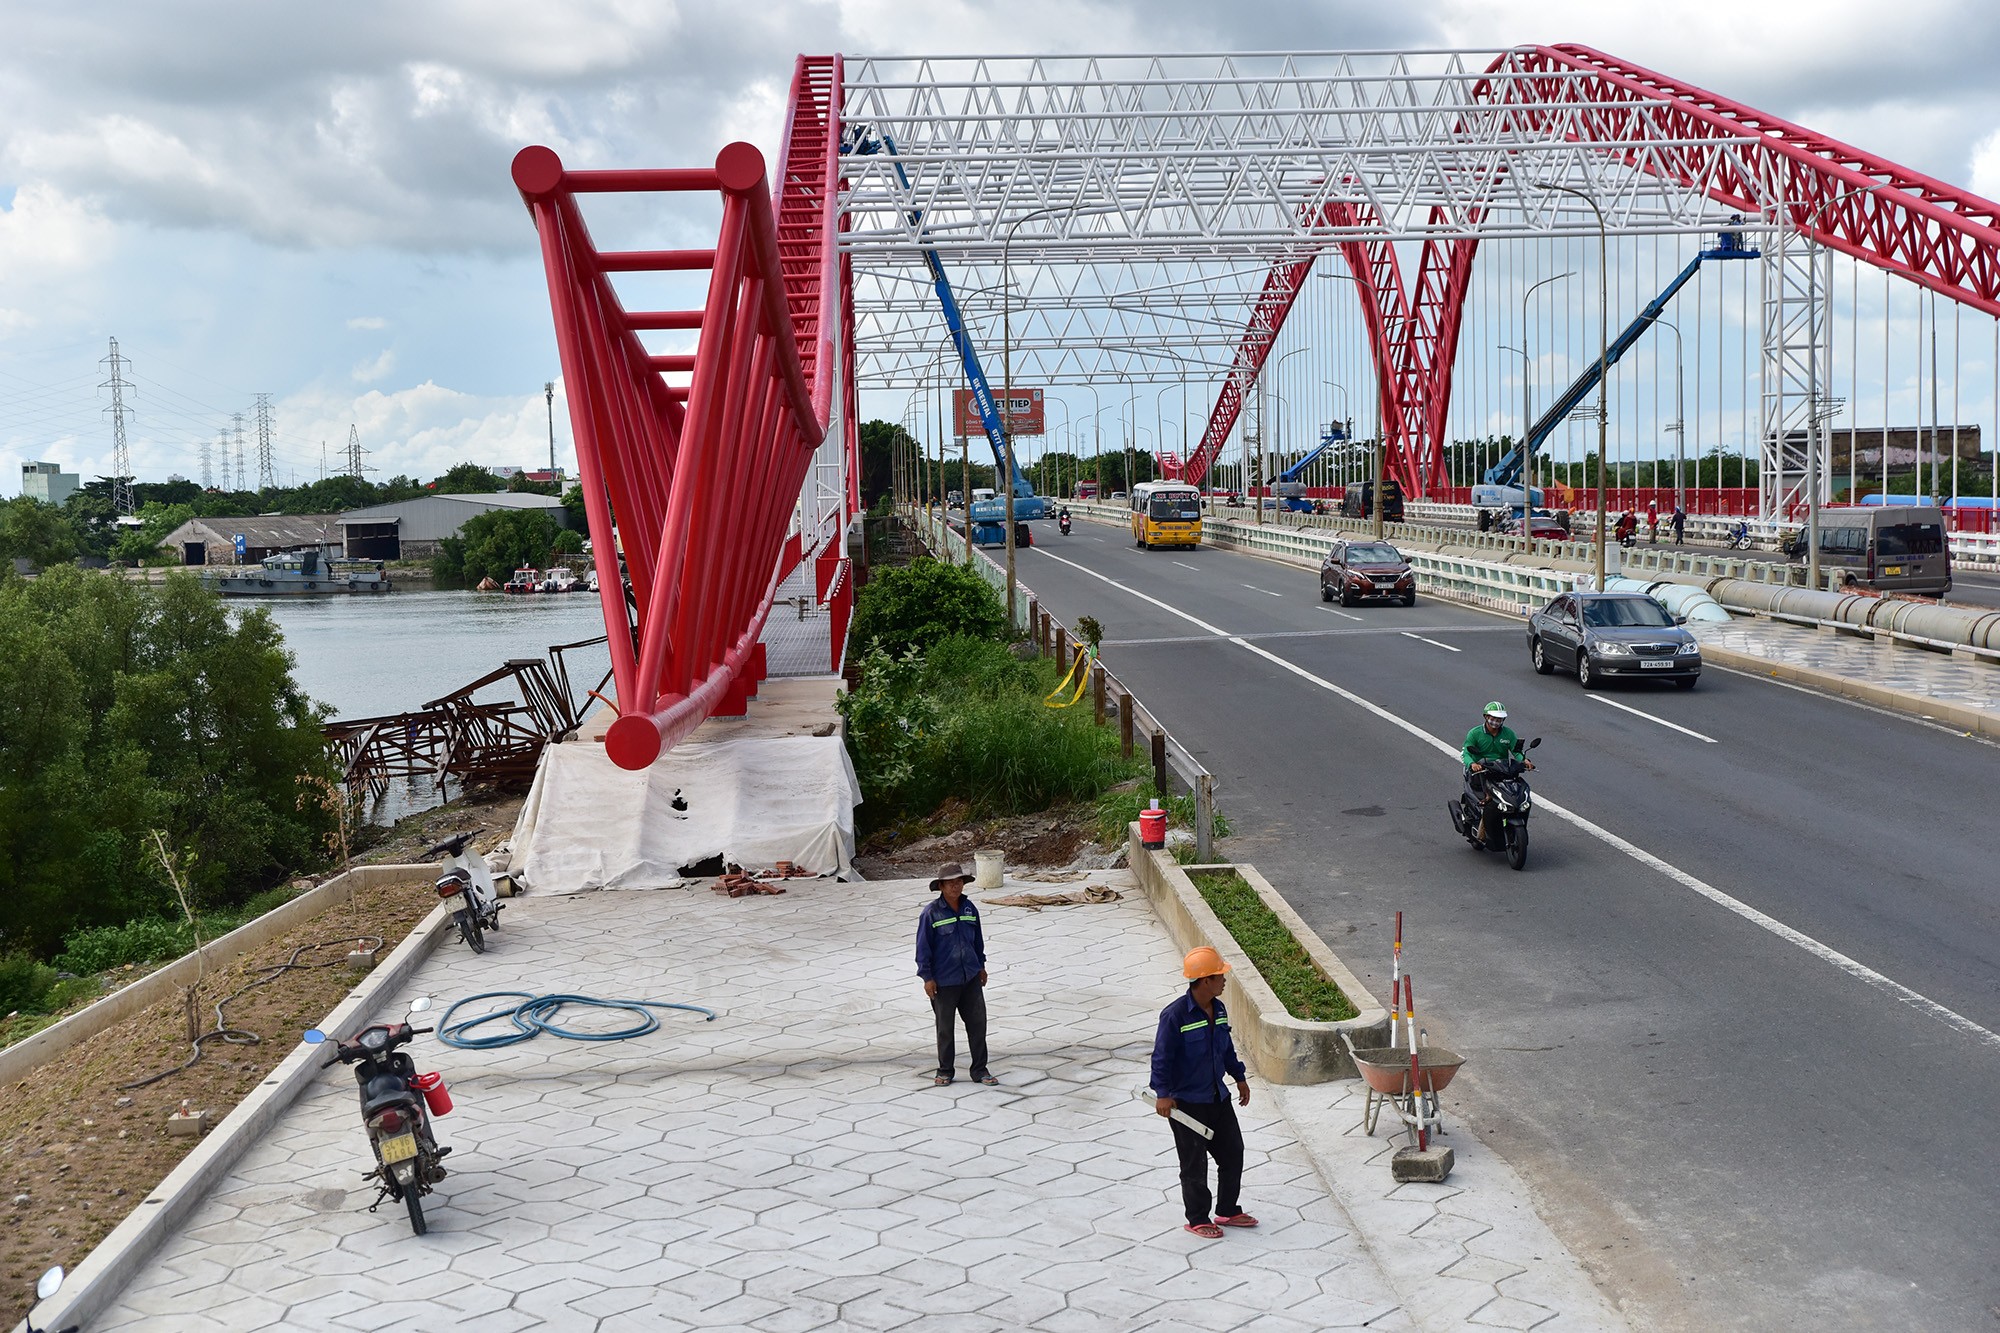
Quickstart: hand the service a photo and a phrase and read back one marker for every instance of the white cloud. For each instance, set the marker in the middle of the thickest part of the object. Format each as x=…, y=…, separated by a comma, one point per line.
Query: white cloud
x=46, y=231
x=425, y=429
x=1986, y=166
x=368, y=322
x=367, y=372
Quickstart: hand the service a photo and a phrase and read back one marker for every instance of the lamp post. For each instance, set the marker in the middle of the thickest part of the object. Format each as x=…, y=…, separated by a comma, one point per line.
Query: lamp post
x=1679, y=428
x=1263, y=468
x=1007, y=388
x=1527, y=373
x=1603, y=356
x=1347, y=428
x=549, y=392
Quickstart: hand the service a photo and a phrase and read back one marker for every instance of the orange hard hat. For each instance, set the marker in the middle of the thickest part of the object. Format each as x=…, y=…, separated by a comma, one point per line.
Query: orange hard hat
x=1202, y=962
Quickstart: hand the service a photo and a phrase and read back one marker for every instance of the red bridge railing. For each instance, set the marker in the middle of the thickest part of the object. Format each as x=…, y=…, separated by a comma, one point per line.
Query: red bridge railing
x=697, y=484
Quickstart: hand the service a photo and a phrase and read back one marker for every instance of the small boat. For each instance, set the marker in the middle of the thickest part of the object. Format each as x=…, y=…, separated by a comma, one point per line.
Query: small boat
x=487, y=584
x=526, y=579
x=560, y=579
x=300, y=574
x=590, y=580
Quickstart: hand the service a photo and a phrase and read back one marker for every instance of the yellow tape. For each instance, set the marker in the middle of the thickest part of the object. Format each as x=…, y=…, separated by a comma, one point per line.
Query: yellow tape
x=1080, y=673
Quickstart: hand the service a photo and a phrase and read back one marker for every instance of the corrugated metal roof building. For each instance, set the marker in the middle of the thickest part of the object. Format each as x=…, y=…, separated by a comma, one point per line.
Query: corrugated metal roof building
x=409, y=529
x=212, y=541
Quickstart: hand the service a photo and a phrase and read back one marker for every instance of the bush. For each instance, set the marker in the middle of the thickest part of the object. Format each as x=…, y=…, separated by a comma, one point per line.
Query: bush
x=495, y=544
x=1117, y=809
x=24, y=984
x=101, y=948
x=966, y=721
x=913, y=606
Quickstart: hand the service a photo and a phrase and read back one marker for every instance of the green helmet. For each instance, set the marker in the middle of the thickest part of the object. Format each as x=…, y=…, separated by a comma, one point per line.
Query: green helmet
x=1496, y=709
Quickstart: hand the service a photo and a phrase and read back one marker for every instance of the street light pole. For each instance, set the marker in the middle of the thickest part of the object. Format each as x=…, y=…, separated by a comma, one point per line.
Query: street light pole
x=549, y=392
x=1527, y=424
x=1679, y=428
x=1277, y=509
x=1007, y=390
x=1603, y=356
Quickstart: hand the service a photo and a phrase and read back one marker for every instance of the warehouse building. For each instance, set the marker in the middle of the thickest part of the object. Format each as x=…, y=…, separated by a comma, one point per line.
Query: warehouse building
x=412, y=529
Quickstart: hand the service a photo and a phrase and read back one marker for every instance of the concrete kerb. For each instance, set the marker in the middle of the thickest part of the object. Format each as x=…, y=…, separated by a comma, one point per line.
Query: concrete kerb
x=1975, y=720
x=24, y=1055
x=1282, y=1049
x=104, y=1273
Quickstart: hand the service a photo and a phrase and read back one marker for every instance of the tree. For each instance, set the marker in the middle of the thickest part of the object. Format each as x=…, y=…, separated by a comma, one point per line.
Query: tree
x=495, y=544
x=880, y=442
x=156, y=520
x=468, y=479
x=918, y=604
x=520, y=484
x=39, y=533
x=125, y=707
x=567, y=542
x=579, y=516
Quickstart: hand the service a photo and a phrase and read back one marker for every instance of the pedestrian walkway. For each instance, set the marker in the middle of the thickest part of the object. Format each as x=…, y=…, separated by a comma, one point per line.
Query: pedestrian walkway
x=1866, y=662
x=789, y=1166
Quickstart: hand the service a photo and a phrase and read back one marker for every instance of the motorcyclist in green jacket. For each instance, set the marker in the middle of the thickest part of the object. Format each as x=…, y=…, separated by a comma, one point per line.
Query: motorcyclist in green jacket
x=1490, y=740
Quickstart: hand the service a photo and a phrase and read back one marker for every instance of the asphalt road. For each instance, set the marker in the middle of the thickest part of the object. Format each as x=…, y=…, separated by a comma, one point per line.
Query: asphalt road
x=1737, y=1120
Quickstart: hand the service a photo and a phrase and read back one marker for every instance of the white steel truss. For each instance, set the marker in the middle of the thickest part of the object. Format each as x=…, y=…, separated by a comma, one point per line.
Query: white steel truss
x=1139, y=201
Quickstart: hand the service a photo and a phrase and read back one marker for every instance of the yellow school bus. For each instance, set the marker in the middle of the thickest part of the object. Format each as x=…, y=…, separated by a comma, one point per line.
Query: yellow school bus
x=1166, y=513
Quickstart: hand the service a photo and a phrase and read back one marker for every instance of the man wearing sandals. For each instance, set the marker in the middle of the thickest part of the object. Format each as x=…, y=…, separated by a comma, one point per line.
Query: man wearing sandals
x=951, y=958
x=1192, y=1051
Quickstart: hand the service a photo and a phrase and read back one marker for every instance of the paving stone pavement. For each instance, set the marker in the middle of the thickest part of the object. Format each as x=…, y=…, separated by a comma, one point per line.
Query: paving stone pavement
x=789, y=1166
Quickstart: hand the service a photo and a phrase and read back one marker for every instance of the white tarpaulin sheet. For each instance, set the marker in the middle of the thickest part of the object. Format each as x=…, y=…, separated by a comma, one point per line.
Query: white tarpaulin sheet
x=589, y=824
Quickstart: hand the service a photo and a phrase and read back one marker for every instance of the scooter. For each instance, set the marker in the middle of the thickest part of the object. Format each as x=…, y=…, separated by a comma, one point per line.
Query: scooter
x=1739, y=537
x=1063, y=523
x=396, y=1105
x=467, y=883
x=51, y=1282
x=1506, y=808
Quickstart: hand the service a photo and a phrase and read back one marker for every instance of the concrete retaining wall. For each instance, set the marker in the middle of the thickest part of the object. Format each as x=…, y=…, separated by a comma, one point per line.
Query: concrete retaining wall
x=51, y=1041
x=1282, y=1049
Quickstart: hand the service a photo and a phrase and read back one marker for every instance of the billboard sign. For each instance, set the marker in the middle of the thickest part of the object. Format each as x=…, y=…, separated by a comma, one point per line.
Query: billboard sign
x=1024, y=417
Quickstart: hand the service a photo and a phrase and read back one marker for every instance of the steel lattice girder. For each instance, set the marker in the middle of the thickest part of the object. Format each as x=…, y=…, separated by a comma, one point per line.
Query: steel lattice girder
x=1204, y=165
x=702, y=479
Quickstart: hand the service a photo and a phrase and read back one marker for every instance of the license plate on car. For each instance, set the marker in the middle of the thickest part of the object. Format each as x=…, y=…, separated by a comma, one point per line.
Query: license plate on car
x=399, y=1149
x=1654, y=666
x=1892, y=569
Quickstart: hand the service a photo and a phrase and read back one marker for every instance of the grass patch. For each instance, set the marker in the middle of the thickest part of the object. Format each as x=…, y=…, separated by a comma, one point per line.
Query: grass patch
x=1264, y=938
x=1119, y=807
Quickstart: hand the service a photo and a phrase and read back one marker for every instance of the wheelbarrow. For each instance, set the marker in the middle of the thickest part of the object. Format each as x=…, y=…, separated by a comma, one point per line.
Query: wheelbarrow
x=1386, y=1071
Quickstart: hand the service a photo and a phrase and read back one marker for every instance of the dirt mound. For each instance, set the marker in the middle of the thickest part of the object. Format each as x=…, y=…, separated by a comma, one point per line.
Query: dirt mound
x=1056, y=837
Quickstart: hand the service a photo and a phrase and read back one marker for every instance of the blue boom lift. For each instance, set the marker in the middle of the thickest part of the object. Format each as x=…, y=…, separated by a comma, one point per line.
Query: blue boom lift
x=1503, y=479
x=987, y=518
x=1292, y=491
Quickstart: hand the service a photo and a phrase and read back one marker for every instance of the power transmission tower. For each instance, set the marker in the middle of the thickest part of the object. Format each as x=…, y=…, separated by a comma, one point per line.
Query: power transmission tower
x=267, y=477
x=121, y=453
x=242, y=480
x=355, y=453
x=207, y=474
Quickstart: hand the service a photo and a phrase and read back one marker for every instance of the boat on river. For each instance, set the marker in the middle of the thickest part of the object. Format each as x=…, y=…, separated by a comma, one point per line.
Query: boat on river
x=526, y=579
x=561, y=579
x=300, y=574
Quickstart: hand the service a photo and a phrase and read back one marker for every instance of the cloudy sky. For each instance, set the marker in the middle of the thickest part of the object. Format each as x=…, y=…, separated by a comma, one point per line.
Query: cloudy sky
x=313, y=201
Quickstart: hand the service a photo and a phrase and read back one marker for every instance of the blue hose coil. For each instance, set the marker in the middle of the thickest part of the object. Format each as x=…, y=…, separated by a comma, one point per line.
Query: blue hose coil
x=536, y=1014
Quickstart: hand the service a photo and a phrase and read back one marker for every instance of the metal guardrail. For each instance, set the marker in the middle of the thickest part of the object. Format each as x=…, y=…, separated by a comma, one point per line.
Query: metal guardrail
x=1170, y=758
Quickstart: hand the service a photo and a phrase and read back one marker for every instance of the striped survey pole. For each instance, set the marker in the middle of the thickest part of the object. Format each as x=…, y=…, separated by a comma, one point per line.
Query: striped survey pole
x=1416, y=1066
x=1396, y=982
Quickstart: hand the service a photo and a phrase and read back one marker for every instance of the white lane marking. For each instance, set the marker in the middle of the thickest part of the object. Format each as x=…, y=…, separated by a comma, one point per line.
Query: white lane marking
x=1254, y=588
x=1672, y=726
x=1825, y=953
x=1185, y=565
x=1432, y=642
x=1330, y=611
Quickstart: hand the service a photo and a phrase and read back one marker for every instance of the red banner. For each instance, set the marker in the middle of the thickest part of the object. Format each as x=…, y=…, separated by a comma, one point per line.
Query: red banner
x=1023, y=418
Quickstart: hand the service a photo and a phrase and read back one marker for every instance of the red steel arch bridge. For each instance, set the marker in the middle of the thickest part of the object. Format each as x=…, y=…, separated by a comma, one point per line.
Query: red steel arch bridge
x=1131, y=219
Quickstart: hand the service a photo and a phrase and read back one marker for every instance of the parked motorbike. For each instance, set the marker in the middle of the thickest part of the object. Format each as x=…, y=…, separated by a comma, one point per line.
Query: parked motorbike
x=396, y=1105
x=51, y=1282
x=1501, y=821
x=1739, y=537
x=467, y=883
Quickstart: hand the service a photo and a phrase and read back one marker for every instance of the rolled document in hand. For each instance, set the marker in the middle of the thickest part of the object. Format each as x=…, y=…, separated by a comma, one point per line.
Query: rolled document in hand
x=1184, y=1118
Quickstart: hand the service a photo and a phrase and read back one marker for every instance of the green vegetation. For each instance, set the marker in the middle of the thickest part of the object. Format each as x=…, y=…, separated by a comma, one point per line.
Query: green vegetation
x=126, y=707
x=911, y=607
x=495, y=544
x=468, y=479
x=1119, y=807
x=1284, y=963
x=151, y=938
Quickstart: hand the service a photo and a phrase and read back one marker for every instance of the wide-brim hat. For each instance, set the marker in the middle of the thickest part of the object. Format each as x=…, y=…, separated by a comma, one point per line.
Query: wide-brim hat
x=950, y=870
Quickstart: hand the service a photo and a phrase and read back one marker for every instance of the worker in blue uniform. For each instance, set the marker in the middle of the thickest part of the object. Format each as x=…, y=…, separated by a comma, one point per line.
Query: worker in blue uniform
x=1192, y=1053
x=951, y=959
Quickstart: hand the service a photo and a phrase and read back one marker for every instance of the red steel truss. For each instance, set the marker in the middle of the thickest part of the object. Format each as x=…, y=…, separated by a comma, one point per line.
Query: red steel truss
x=701, y=480
x=1923, y=229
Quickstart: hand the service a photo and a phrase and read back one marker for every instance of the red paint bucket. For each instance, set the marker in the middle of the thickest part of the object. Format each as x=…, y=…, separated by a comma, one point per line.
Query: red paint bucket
x=1153, y=829
x=436, y=1096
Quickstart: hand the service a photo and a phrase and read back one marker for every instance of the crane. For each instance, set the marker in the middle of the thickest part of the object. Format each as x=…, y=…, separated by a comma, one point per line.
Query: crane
x=986, y=518
x=1503, y=480
x=1292, y=491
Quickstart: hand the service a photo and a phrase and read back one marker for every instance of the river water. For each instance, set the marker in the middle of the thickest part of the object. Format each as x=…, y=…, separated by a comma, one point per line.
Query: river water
x=377, y=655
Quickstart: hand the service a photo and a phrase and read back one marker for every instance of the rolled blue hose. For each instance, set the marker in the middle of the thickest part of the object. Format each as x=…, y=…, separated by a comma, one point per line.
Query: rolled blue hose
x=536, y=1014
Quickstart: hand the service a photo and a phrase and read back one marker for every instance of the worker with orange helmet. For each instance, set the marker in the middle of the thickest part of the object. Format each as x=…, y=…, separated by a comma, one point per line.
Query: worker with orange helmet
x=1192, y=1053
